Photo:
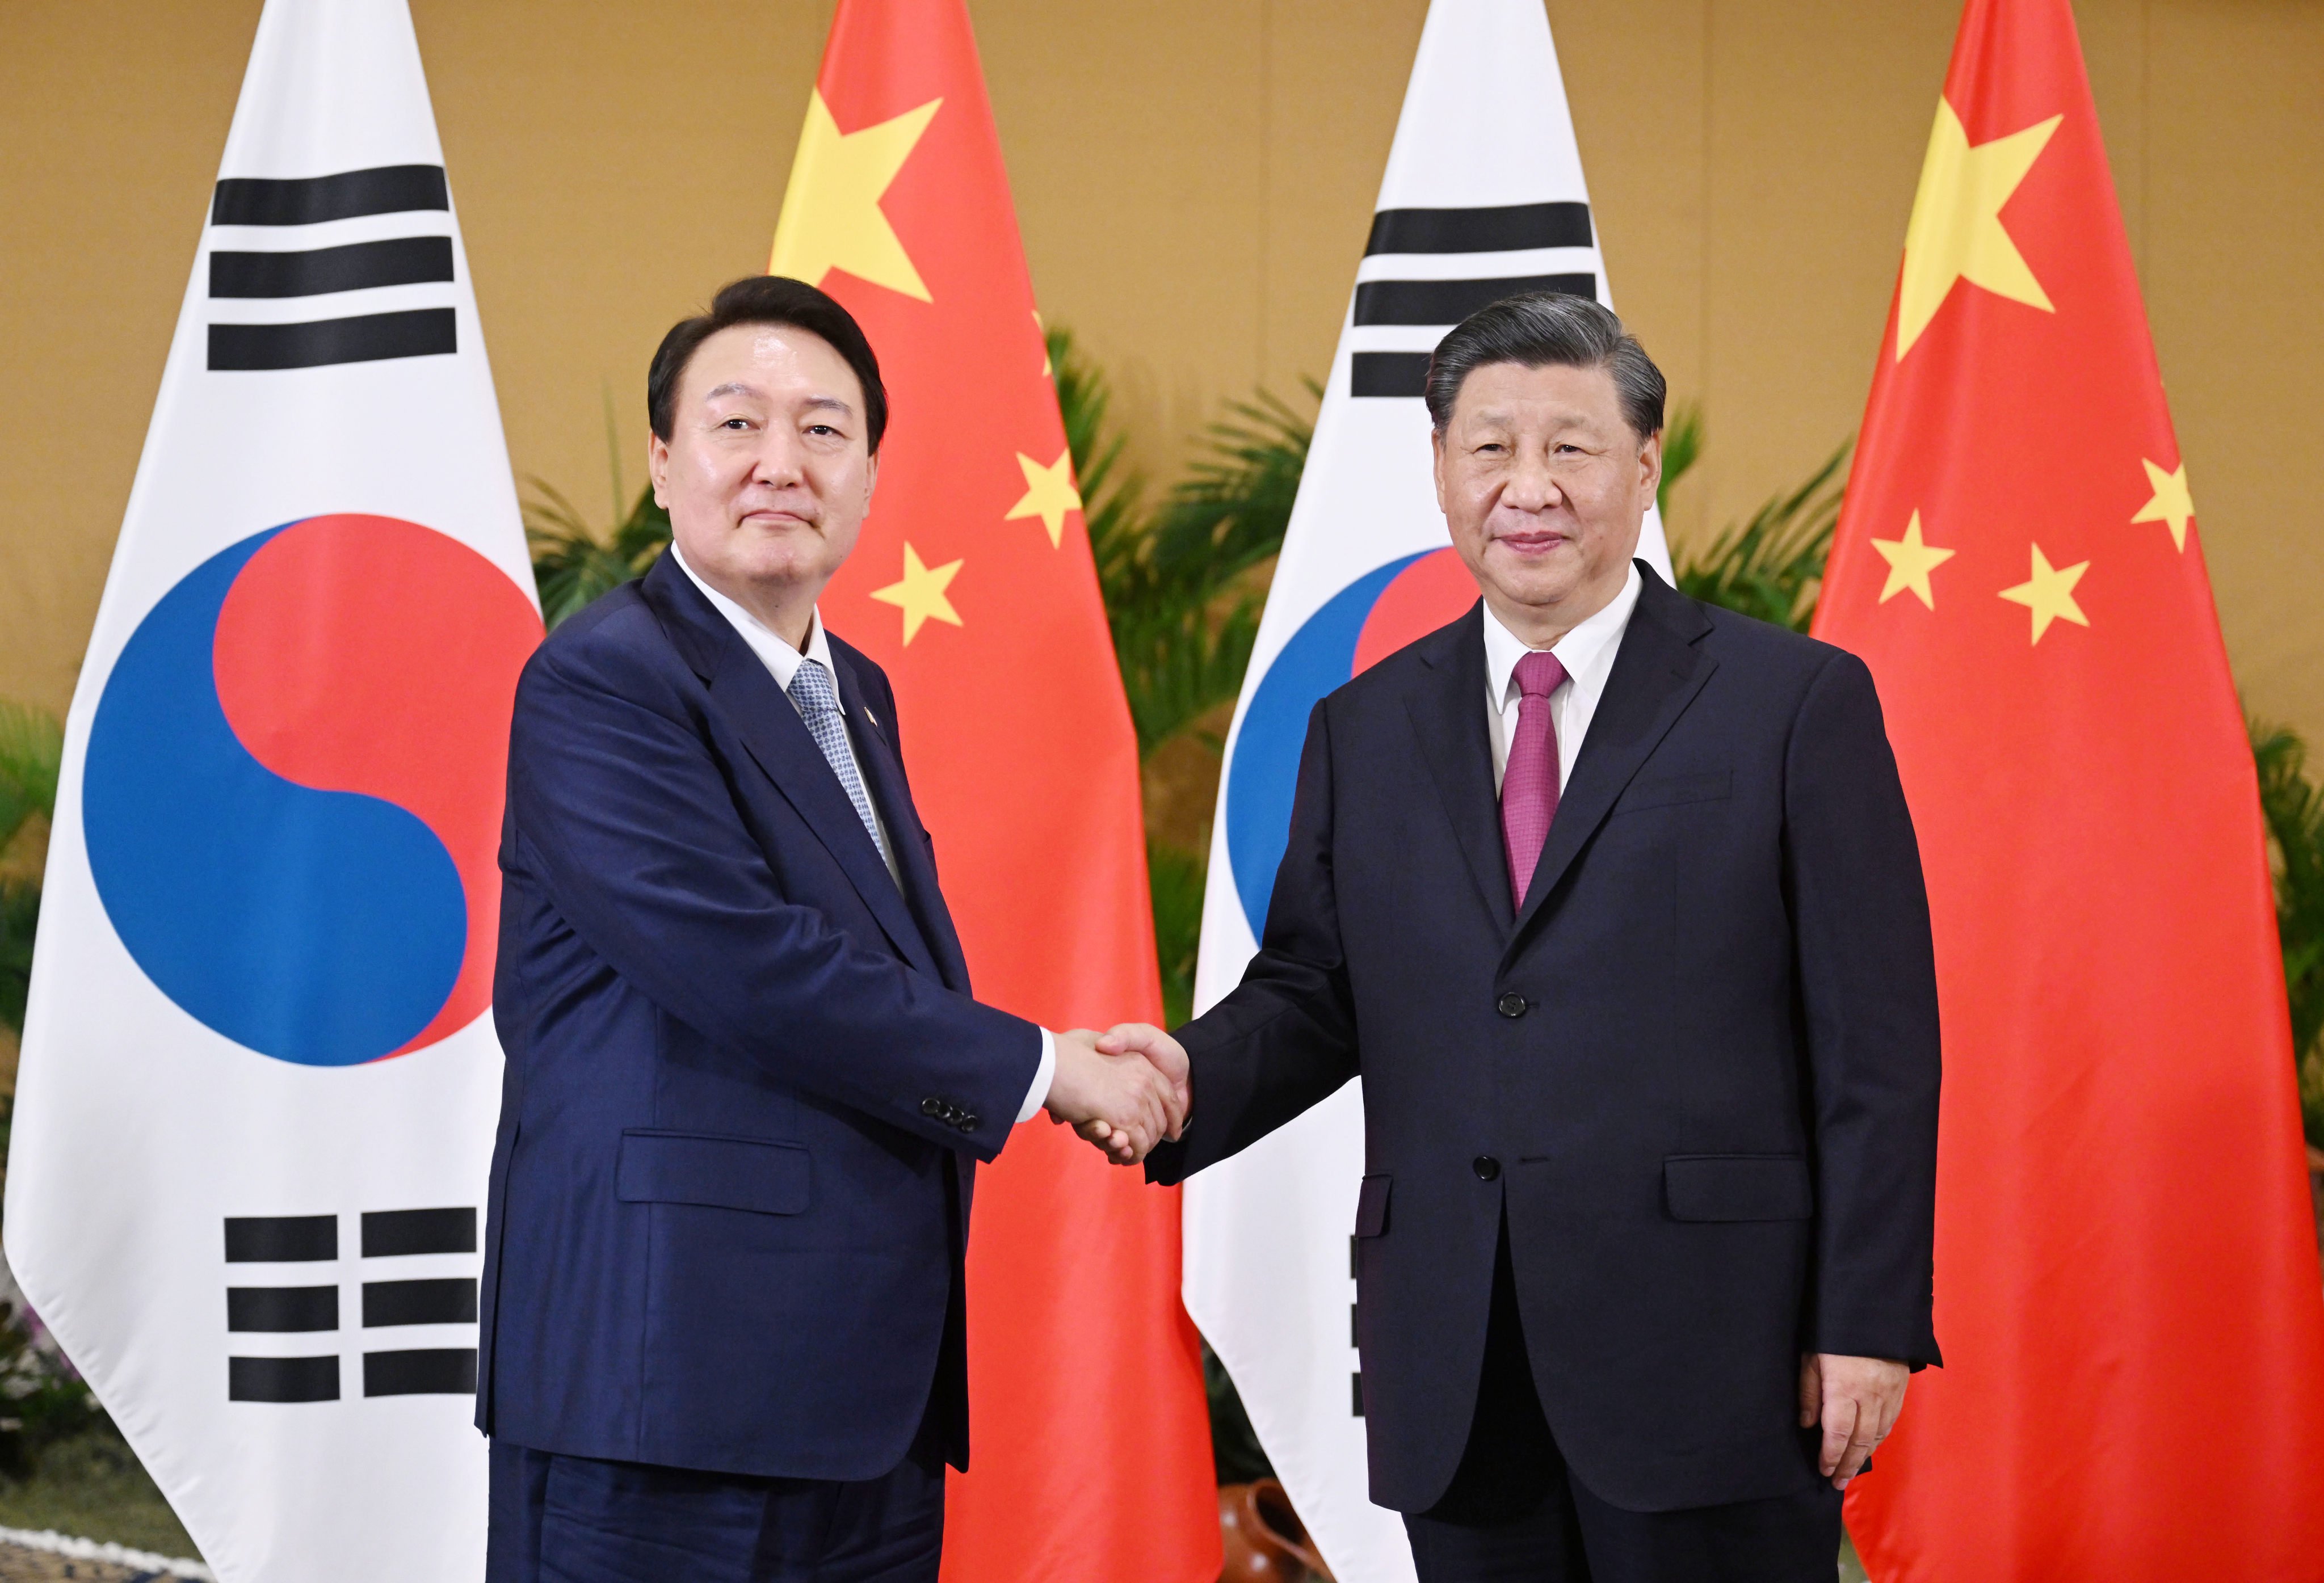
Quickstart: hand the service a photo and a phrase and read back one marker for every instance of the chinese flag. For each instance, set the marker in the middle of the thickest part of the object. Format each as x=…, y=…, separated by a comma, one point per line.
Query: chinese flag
x=2126, y=1282
x=973, y=585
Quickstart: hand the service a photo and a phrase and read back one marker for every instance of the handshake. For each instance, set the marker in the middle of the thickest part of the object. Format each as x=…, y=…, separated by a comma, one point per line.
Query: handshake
x=1125, y=1089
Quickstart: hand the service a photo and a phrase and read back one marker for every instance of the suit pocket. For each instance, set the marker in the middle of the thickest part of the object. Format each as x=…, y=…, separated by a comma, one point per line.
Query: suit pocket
x=1737, y=1187
x=1672, y=789
x=756, y=1174
x=1371, y=1205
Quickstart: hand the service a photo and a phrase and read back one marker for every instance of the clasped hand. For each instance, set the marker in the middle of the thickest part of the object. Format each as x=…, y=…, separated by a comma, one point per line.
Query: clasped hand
x=1125, y=1089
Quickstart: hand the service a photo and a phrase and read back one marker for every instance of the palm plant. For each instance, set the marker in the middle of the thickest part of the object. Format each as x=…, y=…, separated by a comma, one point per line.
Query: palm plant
x=1770, y=565
x=1184, y=584
x=31, y=750
x=2294, y=809
x=572, y=562
x=1177, y=585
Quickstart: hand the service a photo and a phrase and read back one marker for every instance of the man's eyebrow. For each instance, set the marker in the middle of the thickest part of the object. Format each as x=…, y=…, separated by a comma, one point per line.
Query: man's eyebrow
x=739, y=388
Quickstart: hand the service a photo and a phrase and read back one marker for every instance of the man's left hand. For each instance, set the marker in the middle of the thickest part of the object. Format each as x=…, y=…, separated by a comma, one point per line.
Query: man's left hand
x=1857, y=1400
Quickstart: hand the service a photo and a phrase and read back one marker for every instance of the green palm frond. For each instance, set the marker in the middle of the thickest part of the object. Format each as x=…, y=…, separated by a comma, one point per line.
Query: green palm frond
x=20, y=916
x=2294, y=809
x=1179, y=596
x=574, y=562
x=1681, y=449
x=1772, y=565
x=31, y=750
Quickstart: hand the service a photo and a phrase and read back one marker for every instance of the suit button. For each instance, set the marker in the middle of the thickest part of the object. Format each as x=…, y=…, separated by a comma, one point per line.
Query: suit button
x=932, y=1106
x=967, y=1123
x=1510, y=1005
x=1486, y=1167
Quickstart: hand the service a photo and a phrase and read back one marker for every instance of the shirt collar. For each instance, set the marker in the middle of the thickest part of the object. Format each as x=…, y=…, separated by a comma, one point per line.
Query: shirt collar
x=779, y=657
x=1587, y=652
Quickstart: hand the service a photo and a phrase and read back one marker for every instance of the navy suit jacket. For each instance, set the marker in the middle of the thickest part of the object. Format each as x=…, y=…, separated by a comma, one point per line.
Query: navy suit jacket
x=746, y=1082
x=1697, y=1070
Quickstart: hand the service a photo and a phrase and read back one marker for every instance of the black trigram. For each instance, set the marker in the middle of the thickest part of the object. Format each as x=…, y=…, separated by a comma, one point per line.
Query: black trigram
x=1443, y=303
x=387, y=1303
x=399, y=261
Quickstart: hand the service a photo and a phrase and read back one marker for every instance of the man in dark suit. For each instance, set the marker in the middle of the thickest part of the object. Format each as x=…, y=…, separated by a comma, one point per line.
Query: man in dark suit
x=724, y=1326
x=1613, y=900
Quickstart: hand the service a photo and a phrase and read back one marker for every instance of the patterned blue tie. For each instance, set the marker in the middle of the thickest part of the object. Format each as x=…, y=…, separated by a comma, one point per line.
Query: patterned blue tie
x=818, y=702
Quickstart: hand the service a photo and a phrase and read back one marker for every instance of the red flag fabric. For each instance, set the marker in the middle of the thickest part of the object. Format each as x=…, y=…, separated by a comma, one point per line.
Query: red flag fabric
x=973, y=585
x=2126, y=1283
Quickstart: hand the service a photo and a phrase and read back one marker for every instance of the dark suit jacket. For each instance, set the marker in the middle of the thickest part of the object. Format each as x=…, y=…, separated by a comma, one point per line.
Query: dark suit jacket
x=729, y=1198
x=1697, y=1070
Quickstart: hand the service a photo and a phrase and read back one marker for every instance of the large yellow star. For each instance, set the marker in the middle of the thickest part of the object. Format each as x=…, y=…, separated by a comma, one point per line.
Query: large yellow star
x=1910, y=562
x=2172, y=502
x=1050, y=493
x=921, y=594
x=831, y=217
x=2049, y=594
x=1956, y=232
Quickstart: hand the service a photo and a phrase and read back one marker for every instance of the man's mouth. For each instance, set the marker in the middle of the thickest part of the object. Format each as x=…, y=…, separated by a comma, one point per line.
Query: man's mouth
x=1538, y=542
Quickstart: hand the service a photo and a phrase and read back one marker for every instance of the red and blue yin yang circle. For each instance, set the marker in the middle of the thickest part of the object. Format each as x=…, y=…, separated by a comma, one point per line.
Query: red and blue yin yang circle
x=1363, y=623
x=293, y=786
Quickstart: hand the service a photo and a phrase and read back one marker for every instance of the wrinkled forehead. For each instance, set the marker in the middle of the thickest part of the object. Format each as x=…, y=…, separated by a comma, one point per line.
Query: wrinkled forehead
x=1540, y=396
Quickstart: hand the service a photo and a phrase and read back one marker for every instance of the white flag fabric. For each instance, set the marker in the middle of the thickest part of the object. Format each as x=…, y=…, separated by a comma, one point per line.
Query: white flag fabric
x=259, y=1082
x=1483, y=198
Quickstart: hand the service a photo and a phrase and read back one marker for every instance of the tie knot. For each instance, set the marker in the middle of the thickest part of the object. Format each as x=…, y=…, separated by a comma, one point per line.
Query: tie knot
x=1540, y=673
x=812, y=690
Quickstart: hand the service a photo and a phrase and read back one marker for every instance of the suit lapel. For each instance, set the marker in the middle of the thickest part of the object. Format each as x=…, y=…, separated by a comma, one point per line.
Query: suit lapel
x=892, y=792
x=1448, y=715
x=1657, y=672
x=762, y=714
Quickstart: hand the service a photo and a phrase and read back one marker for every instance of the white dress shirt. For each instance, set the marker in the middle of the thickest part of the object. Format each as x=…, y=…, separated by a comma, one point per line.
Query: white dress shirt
x=782, y=662
x=1587, y=653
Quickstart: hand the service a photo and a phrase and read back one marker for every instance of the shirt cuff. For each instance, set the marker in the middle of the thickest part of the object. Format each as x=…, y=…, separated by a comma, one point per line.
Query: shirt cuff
x=1043, y=1076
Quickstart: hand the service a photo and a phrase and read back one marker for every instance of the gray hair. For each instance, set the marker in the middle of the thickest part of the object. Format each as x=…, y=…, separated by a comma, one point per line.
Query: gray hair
x=1548, y=329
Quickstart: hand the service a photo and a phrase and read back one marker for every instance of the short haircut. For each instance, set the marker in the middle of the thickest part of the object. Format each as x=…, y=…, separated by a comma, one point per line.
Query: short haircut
x=765, y=300
x=1548, y=329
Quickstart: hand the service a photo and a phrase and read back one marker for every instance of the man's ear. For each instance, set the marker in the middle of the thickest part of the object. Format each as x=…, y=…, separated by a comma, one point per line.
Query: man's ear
x=658, y=468
x=870, y=476
x=1650, y=463
x=1436, y=466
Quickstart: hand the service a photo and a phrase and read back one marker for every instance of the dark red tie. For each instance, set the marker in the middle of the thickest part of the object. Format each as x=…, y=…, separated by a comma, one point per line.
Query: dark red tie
x=1529, y=782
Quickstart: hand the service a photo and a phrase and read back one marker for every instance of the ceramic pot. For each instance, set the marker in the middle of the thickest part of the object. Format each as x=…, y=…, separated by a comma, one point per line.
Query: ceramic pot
x=1265, y=1541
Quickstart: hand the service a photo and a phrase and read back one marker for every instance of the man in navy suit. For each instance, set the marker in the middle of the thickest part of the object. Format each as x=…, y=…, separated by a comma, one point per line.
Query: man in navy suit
x=1613, y=900
x=724, y=1326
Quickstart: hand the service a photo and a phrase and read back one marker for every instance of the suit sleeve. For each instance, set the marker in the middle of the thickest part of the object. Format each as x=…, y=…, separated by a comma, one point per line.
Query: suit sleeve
x=624, y=813
x=1284, y=1038
x=1868, y=979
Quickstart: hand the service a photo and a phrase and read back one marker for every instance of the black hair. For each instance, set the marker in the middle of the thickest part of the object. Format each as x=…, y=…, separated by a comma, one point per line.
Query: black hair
x=1544, y=329
x=765, y=300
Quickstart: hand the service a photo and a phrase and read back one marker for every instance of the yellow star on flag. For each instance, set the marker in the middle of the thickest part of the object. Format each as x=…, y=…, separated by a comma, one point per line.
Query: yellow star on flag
x=921, y=594
x=1050, y=493
x=831, y=217
x=1910, y=562
x=2049, y=594
x=1955, y=233
x=2172, y=502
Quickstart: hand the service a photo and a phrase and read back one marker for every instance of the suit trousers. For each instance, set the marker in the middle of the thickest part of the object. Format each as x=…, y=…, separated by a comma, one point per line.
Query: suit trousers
x=1515, y=1513
x=558, y=1519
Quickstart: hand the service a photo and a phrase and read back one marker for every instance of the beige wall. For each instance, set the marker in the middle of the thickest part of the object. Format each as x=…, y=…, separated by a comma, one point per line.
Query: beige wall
x=1195, y=181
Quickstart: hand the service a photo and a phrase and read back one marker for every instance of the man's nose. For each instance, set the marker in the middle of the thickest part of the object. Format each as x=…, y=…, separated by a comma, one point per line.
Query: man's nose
x=780, y=461
x=1532, y=486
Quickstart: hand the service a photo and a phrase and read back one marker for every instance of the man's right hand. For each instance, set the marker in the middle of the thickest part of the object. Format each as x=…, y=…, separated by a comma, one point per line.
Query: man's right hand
x=1163, y=1052
x=1119, y=1101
